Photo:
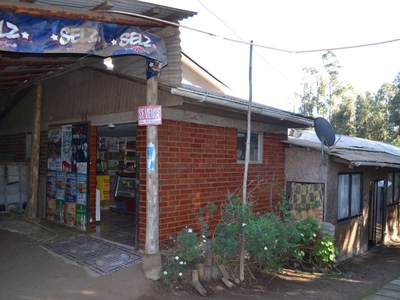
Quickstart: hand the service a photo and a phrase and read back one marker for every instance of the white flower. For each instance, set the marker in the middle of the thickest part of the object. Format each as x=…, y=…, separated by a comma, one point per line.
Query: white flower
x=177, y=257
x=265, y=248
x=302, y=234
x=190, y=230
x=204, y=241
x=243, y=224
x=165, y=272
x=203, y=236
x=266, y=234
x=181, y=263
x=184, y=262
x=180, y=274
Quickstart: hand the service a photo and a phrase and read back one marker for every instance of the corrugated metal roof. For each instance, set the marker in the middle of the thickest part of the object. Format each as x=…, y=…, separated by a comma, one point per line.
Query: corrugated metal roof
x=130, y=6
x=357, y=151
x=233, y=105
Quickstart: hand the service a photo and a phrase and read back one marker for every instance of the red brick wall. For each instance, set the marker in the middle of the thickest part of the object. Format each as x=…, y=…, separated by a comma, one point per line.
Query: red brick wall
x=14, y=144
x=92, y=178
x=197, y=165
x=43, y=152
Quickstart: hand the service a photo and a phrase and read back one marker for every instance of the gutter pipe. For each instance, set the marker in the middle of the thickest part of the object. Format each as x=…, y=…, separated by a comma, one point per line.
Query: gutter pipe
x=242, y=105
x=374, y=164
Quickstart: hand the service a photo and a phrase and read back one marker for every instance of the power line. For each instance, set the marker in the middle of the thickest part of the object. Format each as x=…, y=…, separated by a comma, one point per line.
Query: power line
x=263, y=58
x=247, y=43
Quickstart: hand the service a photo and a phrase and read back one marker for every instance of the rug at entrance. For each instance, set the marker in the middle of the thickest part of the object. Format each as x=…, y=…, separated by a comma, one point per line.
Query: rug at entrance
x=98, y=255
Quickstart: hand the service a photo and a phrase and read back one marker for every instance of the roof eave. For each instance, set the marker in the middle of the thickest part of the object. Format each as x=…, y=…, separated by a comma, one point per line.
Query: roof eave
x=240, y=104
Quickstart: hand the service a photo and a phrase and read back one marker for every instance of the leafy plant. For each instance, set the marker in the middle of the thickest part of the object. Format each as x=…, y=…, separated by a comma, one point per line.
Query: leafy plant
x=172, y=266
x=307, y=230
x=188, y=245
x=325, y=251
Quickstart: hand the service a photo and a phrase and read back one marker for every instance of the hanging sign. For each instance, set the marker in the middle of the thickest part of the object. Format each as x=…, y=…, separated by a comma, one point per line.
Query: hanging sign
x=149, y=115
x=29, y=34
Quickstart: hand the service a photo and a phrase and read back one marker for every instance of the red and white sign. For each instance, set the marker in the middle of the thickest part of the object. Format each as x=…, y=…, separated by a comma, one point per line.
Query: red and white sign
x=149, y=115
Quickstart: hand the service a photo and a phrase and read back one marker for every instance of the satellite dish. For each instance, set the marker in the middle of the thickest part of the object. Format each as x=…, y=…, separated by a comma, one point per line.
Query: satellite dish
x=325, y=134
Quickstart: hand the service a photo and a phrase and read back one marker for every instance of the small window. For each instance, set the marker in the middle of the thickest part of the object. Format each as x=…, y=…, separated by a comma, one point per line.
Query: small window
x=349, y=195
x=255, y=149
x=393, y=188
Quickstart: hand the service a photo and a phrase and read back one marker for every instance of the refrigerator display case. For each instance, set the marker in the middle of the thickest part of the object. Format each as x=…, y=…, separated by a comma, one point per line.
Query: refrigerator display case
x=126, y=192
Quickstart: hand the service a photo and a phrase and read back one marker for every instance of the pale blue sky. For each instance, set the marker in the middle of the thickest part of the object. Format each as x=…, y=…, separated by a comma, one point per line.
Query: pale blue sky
x=292, y=25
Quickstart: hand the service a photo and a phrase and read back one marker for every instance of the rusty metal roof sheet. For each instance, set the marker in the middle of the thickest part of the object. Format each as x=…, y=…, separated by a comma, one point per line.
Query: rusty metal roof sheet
x=356, y=151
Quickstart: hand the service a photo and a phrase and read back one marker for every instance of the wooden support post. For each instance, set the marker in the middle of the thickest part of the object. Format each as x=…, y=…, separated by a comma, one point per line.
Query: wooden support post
x=151, y=245
x=151, y=260
x=34, y=163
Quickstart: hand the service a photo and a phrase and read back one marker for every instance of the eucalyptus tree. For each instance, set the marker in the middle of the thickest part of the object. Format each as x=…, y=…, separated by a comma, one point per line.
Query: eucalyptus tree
x=334, y=86
x=363, y=116
x=343, y=114
x=312, y=92
x=394, y=111
x=381, y=107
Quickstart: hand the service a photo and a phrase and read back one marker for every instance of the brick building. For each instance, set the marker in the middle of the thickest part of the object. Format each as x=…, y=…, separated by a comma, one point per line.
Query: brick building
x=200, y=141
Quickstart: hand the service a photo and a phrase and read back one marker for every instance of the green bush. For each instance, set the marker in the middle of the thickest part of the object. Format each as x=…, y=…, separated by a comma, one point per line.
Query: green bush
x=271, y=239
x=187, y=247
x=325, y=251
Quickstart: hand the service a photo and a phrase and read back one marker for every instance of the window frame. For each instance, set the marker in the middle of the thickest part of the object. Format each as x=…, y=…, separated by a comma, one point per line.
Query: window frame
x=350, y=215
x=391, y=191
x=259, y=150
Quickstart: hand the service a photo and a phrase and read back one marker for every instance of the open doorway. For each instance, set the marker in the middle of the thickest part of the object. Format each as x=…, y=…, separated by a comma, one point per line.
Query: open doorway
x=117, y=185
x=377, y=201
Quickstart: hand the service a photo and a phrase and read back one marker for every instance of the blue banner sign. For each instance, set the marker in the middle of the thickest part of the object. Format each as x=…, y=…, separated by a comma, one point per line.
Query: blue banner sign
x=24, y=33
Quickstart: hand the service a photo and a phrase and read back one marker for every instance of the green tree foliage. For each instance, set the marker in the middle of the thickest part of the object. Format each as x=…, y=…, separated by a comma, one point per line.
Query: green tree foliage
x=363, y=115
x=312, y=94
x=394, y=111
x=380, y=122
x=343, y=115
x=371, y=116
x=332, y=67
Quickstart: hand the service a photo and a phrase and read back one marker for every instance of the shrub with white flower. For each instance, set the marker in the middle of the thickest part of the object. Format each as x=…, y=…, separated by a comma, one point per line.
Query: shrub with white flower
x=187, y=247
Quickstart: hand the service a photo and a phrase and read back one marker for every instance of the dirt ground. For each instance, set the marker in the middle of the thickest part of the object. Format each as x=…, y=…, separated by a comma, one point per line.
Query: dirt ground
x=356, y=278
x=27, y=271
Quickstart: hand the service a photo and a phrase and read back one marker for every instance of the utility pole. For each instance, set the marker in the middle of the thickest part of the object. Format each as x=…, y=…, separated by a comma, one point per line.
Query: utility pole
x=246, y=164
x=31, y=212
x=151, y=260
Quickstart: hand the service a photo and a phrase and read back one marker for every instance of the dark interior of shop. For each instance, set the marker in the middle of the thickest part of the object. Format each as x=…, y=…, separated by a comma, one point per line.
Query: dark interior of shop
x=116, y=183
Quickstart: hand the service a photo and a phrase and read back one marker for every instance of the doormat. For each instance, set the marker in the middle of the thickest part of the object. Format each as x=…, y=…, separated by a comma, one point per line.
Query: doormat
x=98, y=255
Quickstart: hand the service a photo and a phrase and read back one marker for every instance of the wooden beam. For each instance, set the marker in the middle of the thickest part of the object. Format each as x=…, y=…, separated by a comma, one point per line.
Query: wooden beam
x=75, y=14
x=38, y=62
x=80, y=64
x=22, y=77
x=151, y=260
x=34, y=163
x=152, y=216
x=26, y=71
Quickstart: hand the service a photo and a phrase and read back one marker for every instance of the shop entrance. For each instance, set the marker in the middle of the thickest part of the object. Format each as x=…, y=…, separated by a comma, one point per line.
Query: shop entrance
x=117, y=187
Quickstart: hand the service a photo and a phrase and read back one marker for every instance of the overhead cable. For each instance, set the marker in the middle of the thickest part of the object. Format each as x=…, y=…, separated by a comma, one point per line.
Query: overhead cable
x=243, y=42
